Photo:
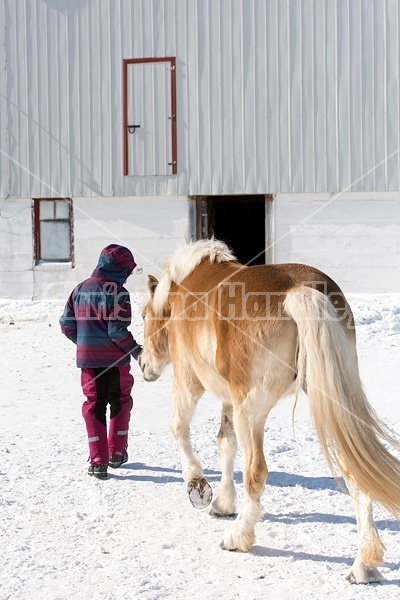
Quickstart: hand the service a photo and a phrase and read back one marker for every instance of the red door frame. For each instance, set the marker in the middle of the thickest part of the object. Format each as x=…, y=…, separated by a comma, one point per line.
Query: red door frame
x=130, y=61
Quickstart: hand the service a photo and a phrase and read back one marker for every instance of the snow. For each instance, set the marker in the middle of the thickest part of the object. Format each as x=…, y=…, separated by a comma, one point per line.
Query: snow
x=65, y=535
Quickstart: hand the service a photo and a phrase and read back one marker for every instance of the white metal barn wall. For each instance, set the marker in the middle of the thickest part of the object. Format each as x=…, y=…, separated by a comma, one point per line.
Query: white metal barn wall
x=272, y=95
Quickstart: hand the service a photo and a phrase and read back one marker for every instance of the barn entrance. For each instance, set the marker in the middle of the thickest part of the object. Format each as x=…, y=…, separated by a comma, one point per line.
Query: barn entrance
x=240, y=221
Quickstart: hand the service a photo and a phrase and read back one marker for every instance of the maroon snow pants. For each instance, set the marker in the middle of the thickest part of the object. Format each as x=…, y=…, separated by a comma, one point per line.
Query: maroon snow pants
x=103, y=386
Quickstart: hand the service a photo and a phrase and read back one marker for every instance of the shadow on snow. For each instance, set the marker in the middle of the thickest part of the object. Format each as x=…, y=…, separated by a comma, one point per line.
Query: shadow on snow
x=291, y=554
x=275, y=479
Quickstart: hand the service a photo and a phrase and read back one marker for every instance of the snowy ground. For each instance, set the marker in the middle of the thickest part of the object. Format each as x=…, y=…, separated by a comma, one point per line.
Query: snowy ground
x=135, y=535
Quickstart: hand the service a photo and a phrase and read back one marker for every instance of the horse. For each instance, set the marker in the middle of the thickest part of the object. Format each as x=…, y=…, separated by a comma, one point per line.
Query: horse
x=251, y=335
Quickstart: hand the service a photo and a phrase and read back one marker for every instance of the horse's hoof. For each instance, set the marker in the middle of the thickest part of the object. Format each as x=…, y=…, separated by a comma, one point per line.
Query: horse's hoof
x=222, y=545
x=364, y=575
x=200, y=492
x=215, y=512
x=237, y=539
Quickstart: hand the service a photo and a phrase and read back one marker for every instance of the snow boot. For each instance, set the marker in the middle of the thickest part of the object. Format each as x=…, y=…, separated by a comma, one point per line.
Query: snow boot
x=99, y=471
x=116, y=460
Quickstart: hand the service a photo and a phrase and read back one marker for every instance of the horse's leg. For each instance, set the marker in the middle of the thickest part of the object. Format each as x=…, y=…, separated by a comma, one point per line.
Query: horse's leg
x=186, y=391
x=249, y=418
x=225, y=503
x=370, y=547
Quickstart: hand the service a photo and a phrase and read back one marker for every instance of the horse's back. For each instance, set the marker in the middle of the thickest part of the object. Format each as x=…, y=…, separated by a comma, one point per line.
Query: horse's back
x=277, y=278
x=274, y=281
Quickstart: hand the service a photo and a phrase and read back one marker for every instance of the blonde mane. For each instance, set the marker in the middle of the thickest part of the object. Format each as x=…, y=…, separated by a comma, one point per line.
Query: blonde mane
x=184, y=260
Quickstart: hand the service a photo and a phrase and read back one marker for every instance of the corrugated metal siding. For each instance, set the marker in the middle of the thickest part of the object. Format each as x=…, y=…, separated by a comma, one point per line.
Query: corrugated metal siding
x=273, y=96
x=4, y=160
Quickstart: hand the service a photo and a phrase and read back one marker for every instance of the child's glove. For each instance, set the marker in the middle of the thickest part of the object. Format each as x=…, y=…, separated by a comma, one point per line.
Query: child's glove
x=136, y=351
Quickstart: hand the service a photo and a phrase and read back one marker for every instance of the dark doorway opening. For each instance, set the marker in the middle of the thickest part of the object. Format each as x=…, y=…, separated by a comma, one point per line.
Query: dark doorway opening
x=239, y=221
x=241, y=224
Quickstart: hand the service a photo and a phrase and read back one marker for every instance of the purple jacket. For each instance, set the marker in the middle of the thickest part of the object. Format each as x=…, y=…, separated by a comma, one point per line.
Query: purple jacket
x=98, y=313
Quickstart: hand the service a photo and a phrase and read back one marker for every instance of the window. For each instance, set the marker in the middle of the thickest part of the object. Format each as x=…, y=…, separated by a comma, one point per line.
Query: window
x=53, y=231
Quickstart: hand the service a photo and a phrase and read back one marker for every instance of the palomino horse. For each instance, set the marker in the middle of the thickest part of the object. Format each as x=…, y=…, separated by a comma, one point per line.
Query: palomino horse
x=250, y=335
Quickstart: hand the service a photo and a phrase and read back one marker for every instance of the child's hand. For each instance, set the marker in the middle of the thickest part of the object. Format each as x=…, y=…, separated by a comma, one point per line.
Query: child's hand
x=136, y=351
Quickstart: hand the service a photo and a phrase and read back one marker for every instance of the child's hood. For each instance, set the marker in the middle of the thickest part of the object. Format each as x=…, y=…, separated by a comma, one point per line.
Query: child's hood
x=116, y=263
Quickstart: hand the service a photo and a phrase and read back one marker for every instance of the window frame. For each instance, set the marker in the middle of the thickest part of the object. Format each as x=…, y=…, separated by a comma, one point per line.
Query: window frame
x=36, y=232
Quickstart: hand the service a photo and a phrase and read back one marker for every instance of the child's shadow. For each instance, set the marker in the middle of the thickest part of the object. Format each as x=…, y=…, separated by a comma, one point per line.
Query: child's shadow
x=137, y=476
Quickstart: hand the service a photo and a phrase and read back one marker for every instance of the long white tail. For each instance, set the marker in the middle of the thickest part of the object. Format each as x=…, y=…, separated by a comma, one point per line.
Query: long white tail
x=348, y=428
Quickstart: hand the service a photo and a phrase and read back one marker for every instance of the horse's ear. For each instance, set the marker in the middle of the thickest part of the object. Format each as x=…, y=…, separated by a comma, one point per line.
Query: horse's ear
x=152, y=283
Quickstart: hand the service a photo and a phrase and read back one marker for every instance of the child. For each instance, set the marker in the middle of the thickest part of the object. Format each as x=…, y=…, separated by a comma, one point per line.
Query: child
x=96, y=318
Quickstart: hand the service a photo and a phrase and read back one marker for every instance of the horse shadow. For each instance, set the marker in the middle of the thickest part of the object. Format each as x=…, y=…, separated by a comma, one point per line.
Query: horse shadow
x=293, y=555
x=282, y=479
x=160, y=475
x=162, y=478
x=295, y=518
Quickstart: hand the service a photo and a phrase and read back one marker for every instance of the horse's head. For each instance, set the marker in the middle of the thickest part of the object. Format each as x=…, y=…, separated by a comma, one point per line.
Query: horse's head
x=155, y=356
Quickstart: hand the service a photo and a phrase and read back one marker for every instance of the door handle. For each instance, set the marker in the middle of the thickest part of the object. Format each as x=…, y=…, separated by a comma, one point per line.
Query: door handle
x=132, y=128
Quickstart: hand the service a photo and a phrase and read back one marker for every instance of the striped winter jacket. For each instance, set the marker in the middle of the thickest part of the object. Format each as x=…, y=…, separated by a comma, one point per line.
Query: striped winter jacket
x=98, y=312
